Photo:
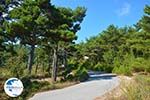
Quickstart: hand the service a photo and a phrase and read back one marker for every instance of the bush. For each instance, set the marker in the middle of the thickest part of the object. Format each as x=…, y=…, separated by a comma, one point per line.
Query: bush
x=99, y=67
x=69, y=77
x=103, y=67
x=122, y=70
x=131, y=64
x=76, y=71
x=84, y=75
x=140, y=65
x=81, y=74
x=67, y=73
x=16, y=66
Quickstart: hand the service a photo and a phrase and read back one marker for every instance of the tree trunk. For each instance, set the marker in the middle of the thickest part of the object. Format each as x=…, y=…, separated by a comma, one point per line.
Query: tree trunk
x=43, y=65
x=30, y=58
x=49, y=62
x=37, y=66
x=65, y=58
x=54, y=66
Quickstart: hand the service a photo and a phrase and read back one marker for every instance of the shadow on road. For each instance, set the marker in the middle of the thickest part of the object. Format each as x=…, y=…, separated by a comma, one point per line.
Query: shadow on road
x=100, y=76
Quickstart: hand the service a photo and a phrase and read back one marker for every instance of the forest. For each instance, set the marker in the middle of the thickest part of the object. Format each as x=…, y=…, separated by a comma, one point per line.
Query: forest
x=37, y=40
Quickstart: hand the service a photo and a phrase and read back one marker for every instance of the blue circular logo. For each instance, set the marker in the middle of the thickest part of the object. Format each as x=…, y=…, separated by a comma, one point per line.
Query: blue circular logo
x=13, y=87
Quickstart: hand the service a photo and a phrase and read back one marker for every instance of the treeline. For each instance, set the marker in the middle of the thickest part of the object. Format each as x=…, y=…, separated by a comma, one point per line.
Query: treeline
x=36, y=33
x=37, y=38
x=121, y=50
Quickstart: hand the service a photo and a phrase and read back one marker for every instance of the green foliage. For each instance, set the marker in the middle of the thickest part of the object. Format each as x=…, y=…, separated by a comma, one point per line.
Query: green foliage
x=81, y=74
x=99, y=67
x=76, y=71
x=15, y=62
x=72, y=65
x=130, y=65
x=121, y=50
x=16, y=66
x=50, y=30
x=122, y=70
x=140, y=64
x=38, y=23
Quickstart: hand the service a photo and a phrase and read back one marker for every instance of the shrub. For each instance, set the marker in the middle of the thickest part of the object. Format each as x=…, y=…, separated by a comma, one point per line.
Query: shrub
x=81, y=74
x=140, y=64
x=16, y=66
x=103, y=67
x=67, y=73
x=122, y=70
x=76, y=71
x=99, y=67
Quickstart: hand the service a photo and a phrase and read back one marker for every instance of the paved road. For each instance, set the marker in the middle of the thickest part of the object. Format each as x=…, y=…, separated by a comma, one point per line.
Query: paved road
x=97, y=85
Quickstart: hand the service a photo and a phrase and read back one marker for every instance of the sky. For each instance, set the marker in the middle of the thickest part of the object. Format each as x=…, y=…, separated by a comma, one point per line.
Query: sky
x=101, y=13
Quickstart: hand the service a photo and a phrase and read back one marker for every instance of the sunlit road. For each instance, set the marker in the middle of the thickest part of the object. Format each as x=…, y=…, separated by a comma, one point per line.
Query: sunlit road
x=98, y=84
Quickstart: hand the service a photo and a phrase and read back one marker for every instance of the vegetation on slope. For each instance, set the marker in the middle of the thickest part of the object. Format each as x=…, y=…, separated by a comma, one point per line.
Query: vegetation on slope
x=122, y=50
x=37, y=41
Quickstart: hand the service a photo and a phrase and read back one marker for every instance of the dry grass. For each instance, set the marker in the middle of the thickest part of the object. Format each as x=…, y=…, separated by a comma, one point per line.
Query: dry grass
x=139, y=89
x=117, y=92
x=130, y=88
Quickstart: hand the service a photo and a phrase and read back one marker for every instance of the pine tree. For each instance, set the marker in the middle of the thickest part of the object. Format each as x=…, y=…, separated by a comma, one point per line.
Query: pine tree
x=63, y=25
x=27, y=21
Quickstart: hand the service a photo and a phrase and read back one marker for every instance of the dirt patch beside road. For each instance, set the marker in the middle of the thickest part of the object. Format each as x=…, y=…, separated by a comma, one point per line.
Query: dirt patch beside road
x=118, y=91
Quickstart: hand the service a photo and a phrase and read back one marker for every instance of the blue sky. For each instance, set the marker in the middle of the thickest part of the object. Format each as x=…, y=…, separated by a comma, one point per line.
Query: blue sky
x=101, y=13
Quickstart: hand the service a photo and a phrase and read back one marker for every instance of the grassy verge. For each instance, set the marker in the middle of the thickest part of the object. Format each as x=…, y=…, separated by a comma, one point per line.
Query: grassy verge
x=131, y=88
x=139, y=89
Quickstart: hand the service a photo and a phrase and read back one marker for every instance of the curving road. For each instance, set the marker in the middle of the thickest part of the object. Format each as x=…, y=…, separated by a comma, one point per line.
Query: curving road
x=97, y=85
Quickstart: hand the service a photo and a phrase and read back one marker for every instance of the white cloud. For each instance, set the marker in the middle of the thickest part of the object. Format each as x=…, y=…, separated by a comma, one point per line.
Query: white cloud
x=124, y=10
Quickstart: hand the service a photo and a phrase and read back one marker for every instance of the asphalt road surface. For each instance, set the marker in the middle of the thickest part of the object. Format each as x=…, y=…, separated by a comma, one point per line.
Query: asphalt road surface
x=97, y=85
